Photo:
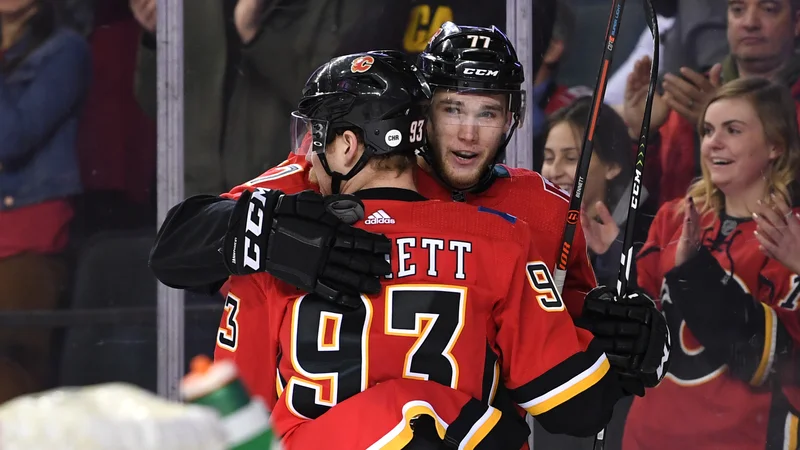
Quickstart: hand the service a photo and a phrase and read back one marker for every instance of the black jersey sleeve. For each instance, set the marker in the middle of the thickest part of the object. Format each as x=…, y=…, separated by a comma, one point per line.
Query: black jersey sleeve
x=187, y=251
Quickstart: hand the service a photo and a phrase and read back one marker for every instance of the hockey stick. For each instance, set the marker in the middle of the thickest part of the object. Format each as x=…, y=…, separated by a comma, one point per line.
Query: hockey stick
x=573, y=214
x=626, y=258
x=626, y=261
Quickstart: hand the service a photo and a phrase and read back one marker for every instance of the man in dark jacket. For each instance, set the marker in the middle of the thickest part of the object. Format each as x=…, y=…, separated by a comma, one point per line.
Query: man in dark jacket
x=245, y=62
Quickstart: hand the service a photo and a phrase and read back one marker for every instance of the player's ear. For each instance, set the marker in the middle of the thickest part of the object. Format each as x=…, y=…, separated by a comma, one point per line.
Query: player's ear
x=351, y=149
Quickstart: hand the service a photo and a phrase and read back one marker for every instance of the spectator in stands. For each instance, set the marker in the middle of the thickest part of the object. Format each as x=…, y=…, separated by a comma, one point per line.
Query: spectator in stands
x=696, y=38
x=608, y=184
x=732, y=311
x=548, y=96
x=245, y=60
x=116, y=140
x=761, y=37
x=44, y=76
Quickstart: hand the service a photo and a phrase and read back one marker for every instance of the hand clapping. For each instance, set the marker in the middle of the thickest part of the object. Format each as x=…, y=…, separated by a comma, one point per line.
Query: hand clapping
x=779, y=232
x=688, y=95
x=690, y=236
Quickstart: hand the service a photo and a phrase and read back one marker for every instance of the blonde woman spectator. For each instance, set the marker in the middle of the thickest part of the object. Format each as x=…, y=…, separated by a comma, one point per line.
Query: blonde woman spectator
x=731, y=309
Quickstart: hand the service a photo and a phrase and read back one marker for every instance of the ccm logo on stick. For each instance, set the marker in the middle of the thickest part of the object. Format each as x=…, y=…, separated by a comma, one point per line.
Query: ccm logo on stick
x=481, y=72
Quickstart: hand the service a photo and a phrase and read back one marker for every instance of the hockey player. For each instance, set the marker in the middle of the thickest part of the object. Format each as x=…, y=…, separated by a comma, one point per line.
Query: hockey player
x=468, y=303
x=466, y=143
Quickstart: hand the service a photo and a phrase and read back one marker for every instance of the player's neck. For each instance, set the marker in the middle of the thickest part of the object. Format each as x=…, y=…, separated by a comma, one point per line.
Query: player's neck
x=423, y=164
x=371, y=179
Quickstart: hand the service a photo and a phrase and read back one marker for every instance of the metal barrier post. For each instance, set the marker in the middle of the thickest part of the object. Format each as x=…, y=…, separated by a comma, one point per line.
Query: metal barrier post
x=169, y=34
x=519, y=24
x=519, y=28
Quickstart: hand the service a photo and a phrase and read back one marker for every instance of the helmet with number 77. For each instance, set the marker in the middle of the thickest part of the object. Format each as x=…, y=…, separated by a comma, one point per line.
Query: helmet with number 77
x=477, y=82
x=378, y=95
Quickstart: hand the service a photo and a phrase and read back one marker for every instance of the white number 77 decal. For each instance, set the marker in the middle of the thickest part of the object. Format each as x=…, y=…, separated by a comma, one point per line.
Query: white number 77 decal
x=474, y=37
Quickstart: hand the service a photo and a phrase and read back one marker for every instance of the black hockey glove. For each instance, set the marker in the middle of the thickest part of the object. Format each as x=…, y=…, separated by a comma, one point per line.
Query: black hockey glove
x=298, y=239
x=632, y=332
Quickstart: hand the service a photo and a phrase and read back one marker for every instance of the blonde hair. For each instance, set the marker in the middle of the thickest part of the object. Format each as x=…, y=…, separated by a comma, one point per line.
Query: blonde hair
x=397, y=163
x=776, y=110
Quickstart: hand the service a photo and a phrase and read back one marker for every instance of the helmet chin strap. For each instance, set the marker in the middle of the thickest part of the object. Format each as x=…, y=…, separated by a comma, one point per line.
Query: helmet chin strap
x=337, y=177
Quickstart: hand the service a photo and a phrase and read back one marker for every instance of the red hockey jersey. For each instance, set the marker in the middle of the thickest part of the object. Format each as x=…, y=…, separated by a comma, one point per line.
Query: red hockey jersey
x=522, y=193
x=530, y=197
x=701, y=403
x=290, y=176
x=469, y=302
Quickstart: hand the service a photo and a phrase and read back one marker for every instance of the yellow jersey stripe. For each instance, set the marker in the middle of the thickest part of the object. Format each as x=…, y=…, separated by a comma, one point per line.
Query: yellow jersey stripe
x=790, y=432
x=480, y=429
x=402, y=433
x=570, y=389
x=768, y=353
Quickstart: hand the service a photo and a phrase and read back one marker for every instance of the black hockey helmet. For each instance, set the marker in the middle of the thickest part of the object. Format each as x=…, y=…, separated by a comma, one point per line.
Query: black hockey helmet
x=464, y=57
x=376, y=93
x=476, y=60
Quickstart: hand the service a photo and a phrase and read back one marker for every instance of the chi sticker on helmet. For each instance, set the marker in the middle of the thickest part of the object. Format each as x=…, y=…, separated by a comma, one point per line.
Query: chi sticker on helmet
x=393, y=138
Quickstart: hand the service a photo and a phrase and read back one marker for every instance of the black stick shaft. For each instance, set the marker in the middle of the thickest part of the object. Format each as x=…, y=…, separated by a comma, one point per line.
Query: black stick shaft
x=626, y=260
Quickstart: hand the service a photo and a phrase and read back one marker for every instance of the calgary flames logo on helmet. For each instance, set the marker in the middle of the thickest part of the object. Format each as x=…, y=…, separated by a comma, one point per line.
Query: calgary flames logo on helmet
x=362, y=64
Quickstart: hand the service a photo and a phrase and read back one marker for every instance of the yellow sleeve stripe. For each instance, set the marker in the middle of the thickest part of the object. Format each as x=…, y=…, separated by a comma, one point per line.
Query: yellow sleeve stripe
x=399, y=436
x=768, y=353
x=480, y=429
x=790, y=433
x=570, y=389
x=278, y=385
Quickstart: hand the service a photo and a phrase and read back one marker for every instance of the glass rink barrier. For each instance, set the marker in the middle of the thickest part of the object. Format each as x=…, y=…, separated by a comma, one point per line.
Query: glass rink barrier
x=112, y=112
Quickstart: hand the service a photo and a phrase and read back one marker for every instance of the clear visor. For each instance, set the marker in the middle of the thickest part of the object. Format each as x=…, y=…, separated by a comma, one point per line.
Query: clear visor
x=307, y=134
x=490, y=108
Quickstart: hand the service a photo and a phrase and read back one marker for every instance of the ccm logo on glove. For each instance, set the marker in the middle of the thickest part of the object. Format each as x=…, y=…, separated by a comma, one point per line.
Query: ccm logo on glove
x=253, y=230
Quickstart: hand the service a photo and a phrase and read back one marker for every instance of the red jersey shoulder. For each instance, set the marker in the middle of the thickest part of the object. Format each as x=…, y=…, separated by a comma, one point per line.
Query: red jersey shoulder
x=429, y=186
x=669, y=219
x=525, y=193
x=290, y=176
x=452, y=217
x=673, y=220
x=530, y=181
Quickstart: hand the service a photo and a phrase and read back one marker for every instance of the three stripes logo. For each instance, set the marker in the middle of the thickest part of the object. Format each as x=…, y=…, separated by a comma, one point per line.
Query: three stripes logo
x=378, y=217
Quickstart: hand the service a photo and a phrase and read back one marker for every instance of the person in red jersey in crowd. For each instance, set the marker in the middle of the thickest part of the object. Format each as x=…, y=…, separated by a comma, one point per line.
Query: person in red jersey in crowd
x=732, y=310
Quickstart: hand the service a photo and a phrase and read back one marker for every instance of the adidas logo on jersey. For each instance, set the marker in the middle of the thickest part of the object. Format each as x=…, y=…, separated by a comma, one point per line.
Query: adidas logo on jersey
x=378, y=217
